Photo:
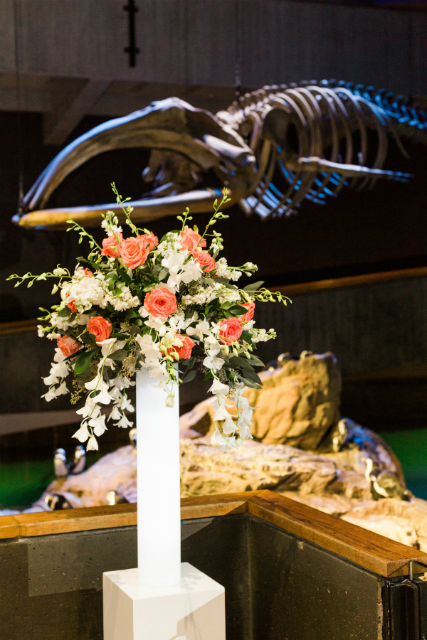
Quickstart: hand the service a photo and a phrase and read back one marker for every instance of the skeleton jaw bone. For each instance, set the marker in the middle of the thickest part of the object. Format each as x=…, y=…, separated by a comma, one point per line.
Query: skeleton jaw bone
x=170, y=125
x=199, y=201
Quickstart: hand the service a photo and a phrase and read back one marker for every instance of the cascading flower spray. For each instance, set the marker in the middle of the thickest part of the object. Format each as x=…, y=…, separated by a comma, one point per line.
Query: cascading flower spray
x=141, y=303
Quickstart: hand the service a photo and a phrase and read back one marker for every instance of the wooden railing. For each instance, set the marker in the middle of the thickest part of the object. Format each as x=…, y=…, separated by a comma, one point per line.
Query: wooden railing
x=364, y=548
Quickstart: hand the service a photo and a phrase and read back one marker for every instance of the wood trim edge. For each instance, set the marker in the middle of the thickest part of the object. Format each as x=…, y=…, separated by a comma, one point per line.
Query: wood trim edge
x=364, y=548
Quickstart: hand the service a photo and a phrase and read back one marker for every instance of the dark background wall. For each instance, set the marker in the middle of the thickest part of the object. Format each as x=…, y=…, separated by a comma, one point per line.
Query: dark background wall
x=358, y=232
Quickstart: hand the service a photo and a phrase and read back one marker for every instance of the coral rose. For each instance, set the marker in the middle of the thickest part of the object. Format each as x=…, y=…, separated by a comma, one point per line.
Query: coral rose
x=100, y=328
x=250, y=306
x=148, y=241
x=230, y=330
x=190, y=239
x=88, y=272
x=68, y=345
x=133, y=253
x=183, y=352
x=204, y=260
x=161, y=303
x=111, y=246
x=71, y=305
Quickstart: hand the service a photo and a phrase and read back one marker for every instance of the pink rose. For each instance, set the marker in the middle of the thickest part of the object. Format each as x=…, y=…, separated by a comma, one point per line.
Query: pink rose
x=68, y=345
x=250, y=306
x=161, y=303
x=230, y=330
x=183, y=352
x=71, y=305
x=148, y=241
x=205, y=260
x=111, y=246
x=133, y=253
x=190, y=239
x=100, y=328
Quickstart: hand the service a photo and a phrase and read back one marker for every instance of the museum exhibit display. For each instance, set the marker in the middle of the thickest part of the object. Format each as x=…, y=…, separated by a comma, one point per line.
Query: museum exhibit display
x=189, y=315
x=191, y=450
x=272, y=148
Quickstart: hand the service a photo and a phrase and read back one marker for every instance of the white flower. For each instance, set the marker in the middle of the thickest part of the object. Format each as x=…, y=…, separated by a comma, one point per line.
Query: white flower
x=103, y=397
x=49, y=381
x=124, y=423
x=90, y=408
x=126, y=405
x=217, y=438
x=107, y=346
x=228, y=426
x=59, y=356
x=92, y=445
x=115, y=414
x=62, y=390
x=221, y=413
x=219, y=388
x=59, y=272
x=50, y=395
x=170, y=400
x=213, y=363
x=82, y=434
x=59, y=369
x=98, y=424
x=245, y=433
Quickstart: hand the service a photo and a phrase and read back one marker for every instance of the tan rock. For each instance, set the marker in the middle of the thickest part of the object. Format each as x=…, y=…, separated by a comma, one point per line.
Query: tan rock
x=297, y=405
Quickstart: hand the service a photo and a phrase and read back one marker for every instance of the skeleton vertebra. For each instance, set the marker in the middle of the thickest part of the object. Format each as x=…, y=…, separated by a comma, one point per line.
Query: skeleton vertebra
x=272, y=149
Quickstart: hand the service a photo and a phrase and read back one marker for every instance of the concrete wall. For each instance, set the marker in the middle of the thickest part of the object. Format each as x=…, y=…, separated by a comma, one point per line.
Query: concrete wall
x=199, y=42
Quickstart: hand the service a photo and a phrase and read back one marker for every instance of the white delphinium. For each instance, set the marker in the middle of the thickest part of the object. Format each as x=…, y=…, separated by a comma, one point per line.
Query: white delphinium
x=223, y=271
x=85, y=292
x=121, y=301
x=111, y=224
x=261, y=335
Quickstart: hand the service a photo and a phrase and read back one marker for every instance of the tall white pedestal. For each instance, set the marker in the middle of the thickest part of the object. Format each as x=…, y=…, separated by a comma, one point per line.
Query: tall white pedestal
x=194, y=609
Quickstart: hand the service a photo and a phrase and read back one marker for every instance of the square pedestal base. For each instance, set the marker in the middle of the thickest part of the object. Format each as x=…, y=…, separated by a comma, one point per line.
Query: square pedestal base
x=191, y=610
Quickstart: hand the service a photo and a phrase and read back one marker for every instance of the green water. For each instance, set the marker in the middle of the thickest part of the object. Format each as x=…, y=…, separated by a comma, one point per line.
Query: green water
x=411, y=449
x=22, y=482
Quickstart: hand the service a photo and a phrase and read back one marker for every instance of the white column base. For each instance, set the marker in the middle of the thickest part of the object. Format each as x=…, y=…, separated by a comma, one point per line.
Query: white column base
x=194, y=609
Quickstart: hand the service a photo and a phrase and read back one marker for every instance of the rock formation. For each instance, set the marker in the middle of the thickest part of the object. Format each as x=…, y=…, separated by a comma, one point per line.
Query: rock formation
x=350, y=472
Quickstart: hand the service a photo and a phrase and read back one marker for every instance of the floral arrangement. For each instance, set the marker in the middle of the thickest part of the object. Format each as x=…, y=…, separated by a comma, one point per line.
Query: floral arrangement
x=169, y=307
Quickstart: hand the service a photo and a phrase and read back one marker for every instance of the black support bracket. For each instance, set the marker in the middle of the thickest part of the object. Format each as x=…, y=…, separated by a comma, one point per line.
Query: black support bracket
x=132, y=49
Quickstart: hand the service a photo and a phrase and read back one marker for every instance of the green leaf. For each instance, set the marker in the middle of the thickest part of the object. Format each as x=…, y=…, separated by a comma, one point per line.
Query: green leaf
x=252, y=375
x=208, y=375
x=131, y=313
x=190, y=376
x=149, y=287
x=236, y=361
x=237, y=310
x=83, y=361
x=256, y=361
x=163, y=273
x=119, y=355
x=246, y=336
x=250, y=384
x=65, y=313
x=254, y=286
